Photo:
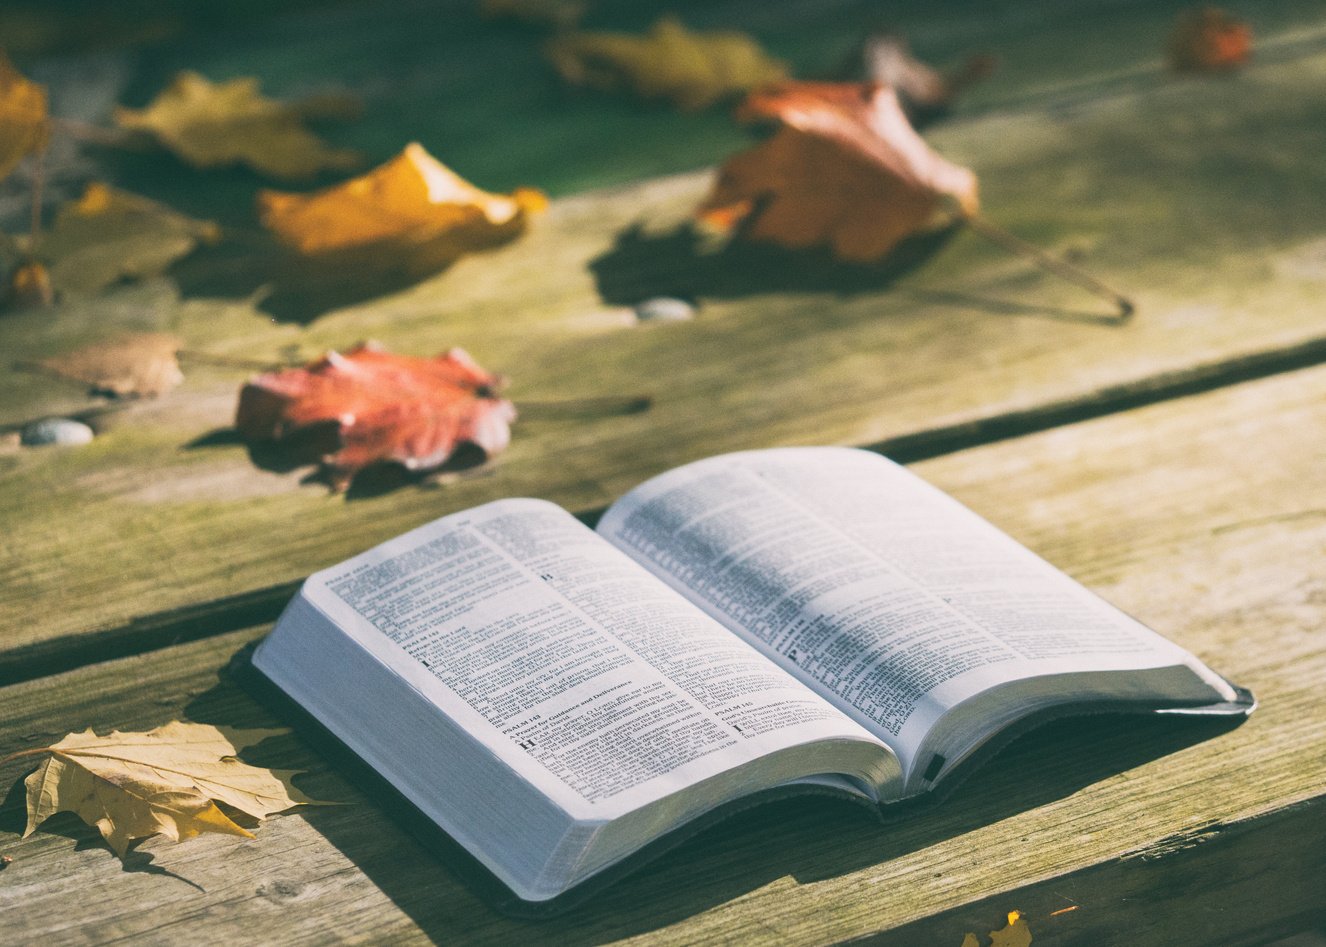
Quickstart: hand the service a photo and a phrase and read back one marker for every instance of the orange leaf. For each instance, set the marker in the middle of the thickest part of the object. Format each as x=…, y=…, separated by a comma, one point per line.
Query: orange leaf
x=411, y=210
x=23, y=116
x=382, y=407
x=846, y=170
x=1208, y=39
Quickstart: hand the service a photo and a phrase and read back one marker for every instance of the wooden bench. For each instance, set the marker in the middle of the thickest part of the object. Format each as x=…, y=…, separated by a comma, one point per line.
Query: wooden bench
x=1174, y=464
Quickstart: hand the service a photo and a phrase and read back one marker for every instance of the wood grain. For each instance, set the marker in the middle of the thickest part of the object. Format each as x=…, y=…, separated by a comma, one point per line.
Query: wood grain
x=1208, y=207
x=1205, y=517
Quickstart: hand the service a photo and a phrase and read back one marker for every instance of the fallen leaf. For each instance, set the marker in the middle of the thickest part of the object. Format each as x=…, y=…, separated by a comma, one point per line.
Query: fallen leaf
x=924, y=91
x=213, y=125
x=24, y=122
x=383, y=407
x=1016, y=934
x=1209, y=39
x=691, y=69
x=845, y=169
x=145, y=365
x=109, y=235
x=411, y=212
x=166, y=781
x=557, y=14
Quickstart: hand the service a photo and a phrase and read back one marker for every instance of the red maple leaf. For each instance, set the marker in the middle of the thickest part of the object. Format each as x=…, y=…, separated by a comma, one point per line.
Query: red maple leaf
x=384, y=408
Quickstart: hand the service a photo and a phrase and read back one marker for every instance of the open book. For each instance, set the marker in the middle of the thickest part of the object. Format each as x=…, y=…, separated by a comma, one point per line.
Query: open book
x=797, y=619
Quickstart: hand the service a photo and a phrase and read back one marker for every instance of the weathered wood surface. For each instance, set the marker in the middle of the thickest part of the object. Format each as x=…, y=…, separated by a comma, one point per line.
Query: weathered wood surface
x=1203, y=516
x=1203, y=199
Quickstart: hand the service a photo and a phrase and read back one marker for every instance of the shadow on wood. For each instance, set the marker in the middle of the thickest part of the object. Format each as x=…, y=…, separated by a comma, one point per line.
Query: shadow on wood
x=13, y=818
x=640, y=265
x=307, y=446
x=809, y=840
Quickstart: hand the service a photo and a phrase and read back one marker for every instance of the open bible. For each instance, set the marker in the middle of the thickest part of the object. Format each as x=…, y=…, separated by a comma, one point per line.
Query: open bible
x=819, y=619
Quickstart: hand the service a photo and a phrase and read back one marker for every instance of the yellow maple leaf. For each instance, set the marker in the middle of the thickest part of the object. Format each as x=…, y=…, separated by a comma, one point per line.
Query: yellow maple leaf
x=216, y=124
x=24, y=121
x=412, y=211
x=165, y=781
x=692, y=69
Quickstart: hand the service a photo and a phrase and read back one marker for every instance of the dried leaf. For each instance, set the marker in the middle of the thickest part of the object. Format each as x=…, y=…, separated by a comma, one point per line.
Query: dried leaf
x=411, y=212
x=109, y=235
x=383, y=407
x=1208, y=39
x=213, y=125
x=691, y=69
x=165, y=781
x=134, y=366
x=924, y=92
x=1016, y=934
x=24, y=123
x=845, y=169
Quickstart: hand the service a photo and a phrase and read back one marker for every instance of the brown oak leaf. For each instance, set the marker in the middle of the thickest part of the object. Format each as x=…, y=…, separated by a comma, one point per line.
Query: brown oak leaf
x=24, y=121
x=691, y=69
x=166, y=781
x=1208, y=39
x=213, y=125
x=382, y=407
x=143, y=365
x=412, y=212
x=845, y=169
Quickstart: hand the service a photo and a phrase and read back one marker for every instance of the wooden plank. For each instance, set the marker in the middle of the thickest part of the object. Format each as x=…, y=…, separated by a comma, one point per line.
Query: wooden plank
x=156, y=515
x=1202, y=516
x=1255, y=881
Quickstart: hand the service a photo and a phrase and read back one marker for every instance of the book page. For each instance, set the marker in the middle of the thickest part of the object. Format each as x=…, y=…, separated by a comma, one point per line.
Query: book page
x=586, y=674
x=884, y=594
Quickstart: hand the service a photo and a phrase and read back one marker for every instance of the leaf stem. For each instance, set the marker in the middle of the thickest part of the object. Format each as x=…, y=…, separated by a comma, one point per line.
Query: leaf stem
x=1051, y=263
x=22, y=753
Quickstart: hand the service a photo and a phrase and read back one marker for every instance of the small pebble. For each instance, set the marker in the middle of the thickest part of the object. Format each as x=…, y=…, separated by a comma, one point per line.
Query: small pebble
x=664, y=309
x=62, y=431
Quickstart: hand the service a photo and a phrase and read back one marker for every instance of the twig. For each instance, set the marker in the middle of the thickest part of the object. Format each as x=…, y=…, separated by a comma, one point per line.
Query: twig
x=1050, y=263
